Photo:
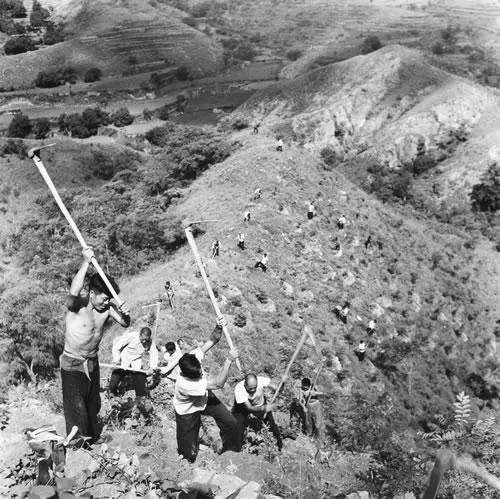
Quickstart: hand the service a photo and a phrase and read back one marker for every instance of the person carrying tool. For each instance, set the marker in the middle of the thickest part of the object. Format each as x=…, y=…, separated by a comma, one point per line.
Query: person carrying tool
x=311, y=211
x=279, y=144
x=249, y=399
x=241, y=241
x=169, y=293
x=134, y=350
x=262, y=263
x=306, y=408
x=193, y=398
x=215, y=248
x=85, y=321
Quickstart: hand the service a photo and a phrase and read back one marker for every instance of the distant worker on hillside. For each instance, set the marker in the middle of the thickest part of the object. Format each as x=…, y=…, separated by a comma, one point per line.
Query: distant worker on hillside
x=174, y=351
x=134, y=350
x=372, y=326
x=257, y=194
x=360, y=351
x=368, y=243
x=311, y=211
x=249, y=399
x=256, y=127
x=85, y=321
x=241, y=241
x=306, y=408
x=247, y=216
x=215, y=248
x=262, y=263
x=342, y=312
x=279, y=144
x=337, y=248
x=169, y=293
x=341, y=222
x=193, y=398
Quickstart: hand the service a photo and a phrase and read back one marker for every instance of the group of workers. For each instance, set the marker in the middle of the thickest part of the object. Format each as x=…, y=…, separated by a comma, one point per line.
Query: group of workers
x=136, y=357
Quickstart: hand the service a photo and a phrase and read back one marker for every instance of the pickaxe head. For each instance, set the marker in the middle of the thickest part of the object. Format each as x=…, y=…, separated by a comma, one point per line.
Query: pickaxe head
x=195, y=222
x=34, y=151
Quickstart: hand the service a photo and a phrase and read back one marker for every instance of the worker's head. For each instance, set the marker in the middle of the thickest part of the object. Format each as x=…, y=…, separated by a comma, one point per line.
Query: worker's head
x=146, y=337
x=170, y=347
x=99, y=294
x=250, y=383
x=167, y=285
x=306, y=384
x=182, y=344
x=190, y=367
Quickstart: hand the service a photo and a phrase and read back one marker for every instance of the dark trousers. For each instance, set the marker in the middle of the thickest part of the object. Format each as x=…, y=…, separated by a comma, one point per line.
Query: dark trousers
x=310, y=215
x=261, y=265
x=188, y=428
x=82, y=402
x=241, y=245
x=122, y=380
x=242, y=418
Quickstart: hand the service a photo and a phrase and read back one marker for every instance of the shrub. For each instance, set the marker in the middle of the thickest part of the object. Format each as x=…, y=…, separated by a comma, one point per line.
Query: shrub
x=93, y=74
x=244, y=52
x=422, y=164
x=182, y=73
x=83, y=125
x=20, y=126
x=19, y=45
x=190, y=21
x=15, y=147
x=438, y=49
x=293, y=54
x=486, y=195
x=202, y=9
x=329, y=156
x=38, y=14
x=41, y=128
x=163, y=112
x=390, y=185
x=53, y=34
x=370, y=44
x=105, y=163
x=122, y=117
x=55, y=77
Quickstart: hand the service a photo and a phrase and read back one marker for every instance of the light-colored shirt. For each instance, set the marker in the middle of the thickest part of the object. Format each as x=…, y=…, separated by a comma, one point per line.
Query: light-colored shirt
x=303, y=395
x=128, y=350
x=171, y=370
x=191, y=395
x=257, y=399
x=264, y=260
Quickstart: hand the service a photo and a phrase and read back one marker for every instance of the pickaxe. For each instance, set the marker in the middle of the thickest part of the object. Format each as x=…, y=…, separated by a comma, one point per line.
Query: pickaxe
x=34, y=154
x=157, y=305
x=194, y=248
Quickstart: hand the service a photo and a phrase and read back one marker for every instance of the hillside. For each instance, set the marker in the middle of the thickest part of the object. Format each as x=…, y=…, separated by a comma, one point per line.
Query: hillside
x=117, y=39
x=391, y=105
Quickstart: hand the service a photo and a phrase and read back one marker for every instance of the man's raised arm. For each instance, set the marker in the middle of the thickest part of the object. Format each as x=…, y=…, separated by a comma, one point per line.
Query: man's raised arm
x=73, y=302
x=122, y=315
x=215, y=336
x=218, y=382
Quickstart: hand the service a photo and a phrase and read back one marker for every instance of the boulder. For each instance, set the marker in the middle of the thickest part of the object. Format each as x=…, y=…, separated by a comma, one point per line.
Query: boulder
x=287, y=288
x=268, y=307
x=78, y=462
x=222, y=485
x=359, y=495
x=377, y=310
x=250, y=491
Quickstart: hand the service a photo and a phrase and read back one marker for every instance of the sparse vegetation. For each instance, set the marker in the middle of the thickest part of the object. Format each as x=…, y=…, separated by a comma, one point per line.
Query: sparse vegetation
x=92, y=74
x=18, y=45
x=293, y=54
x=183, y=73
x=20, y=126
x=41, y=128
x=486, y=195
x=370, y=44
x=122, y=117
x=56, y=77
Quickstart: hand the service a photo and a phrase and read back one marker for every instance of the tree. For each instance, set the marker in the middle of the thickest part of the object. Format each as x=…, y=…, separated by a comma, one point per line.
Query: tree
x=30, y=336
x=38, y=14
x=93, y=74
x=370, y=44
x=122, y=117
x=41, y=128
x=53, y=34
x=20, y=126
x=48, y=79
x=19, y=45
x=486, y=195
x=182, y=73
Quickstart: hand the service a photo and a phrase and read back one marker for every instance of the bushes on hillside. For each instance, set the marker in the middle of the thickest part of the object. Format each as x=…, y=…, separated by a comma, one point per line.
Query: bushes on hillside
x=329, y=156
x=41, y=128
x=93, y=74
x=182, y=73
x=55, y=77
x=293, y=54
x=486, y=195
x=12, y=8
x=20, y=126
x=122, y=117
x=38, y=14
x=53, y=34
x=83, y=125
x=388, y=184
x=16, y=147
x=370, y=44
x=18, y=45
x=104, y=163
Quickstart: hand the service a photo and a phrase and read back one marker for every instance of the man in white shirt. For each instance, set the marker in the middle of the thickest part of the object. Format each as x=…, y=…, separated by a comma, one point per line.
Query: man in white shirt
x=134, y=350
x=193, y=398
x=249, y=398
x=311, y=211
x=262, y=263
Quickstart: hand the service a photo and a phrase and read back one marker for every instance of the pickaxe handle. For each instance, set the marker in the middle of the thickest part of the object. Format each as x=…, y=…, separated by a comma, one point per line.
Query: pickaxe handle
x=194, y=248
x=33, y=154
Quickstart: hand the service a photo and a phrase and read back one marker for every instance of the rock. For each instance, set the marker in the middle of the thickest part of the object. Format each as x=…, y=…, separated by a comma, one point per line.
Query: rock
x=231, y=292
x=406, y=495
x=77, y=462
x=385, y=301
x=377, y=310
x=307, y=296
x=287, y=288
x=348, y=278
x=222, y=485
x=42, y=492
x=250, y=491
x=359, y=495
x=268, y=307
x=416, y=302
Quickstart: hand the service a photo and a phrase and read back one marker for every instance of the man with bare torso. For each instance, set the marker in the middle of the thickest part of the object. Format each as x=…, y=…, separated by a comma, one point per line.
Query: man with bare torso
x=85, y=321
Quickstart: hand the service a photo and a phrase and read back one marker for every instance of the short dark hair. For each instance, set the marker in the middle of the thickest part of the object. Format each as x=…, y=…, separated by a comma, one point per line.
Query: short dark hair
x=146, y=331
x=170, y=346
x=306, y=382
x=190, y=366
x=97, y=285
